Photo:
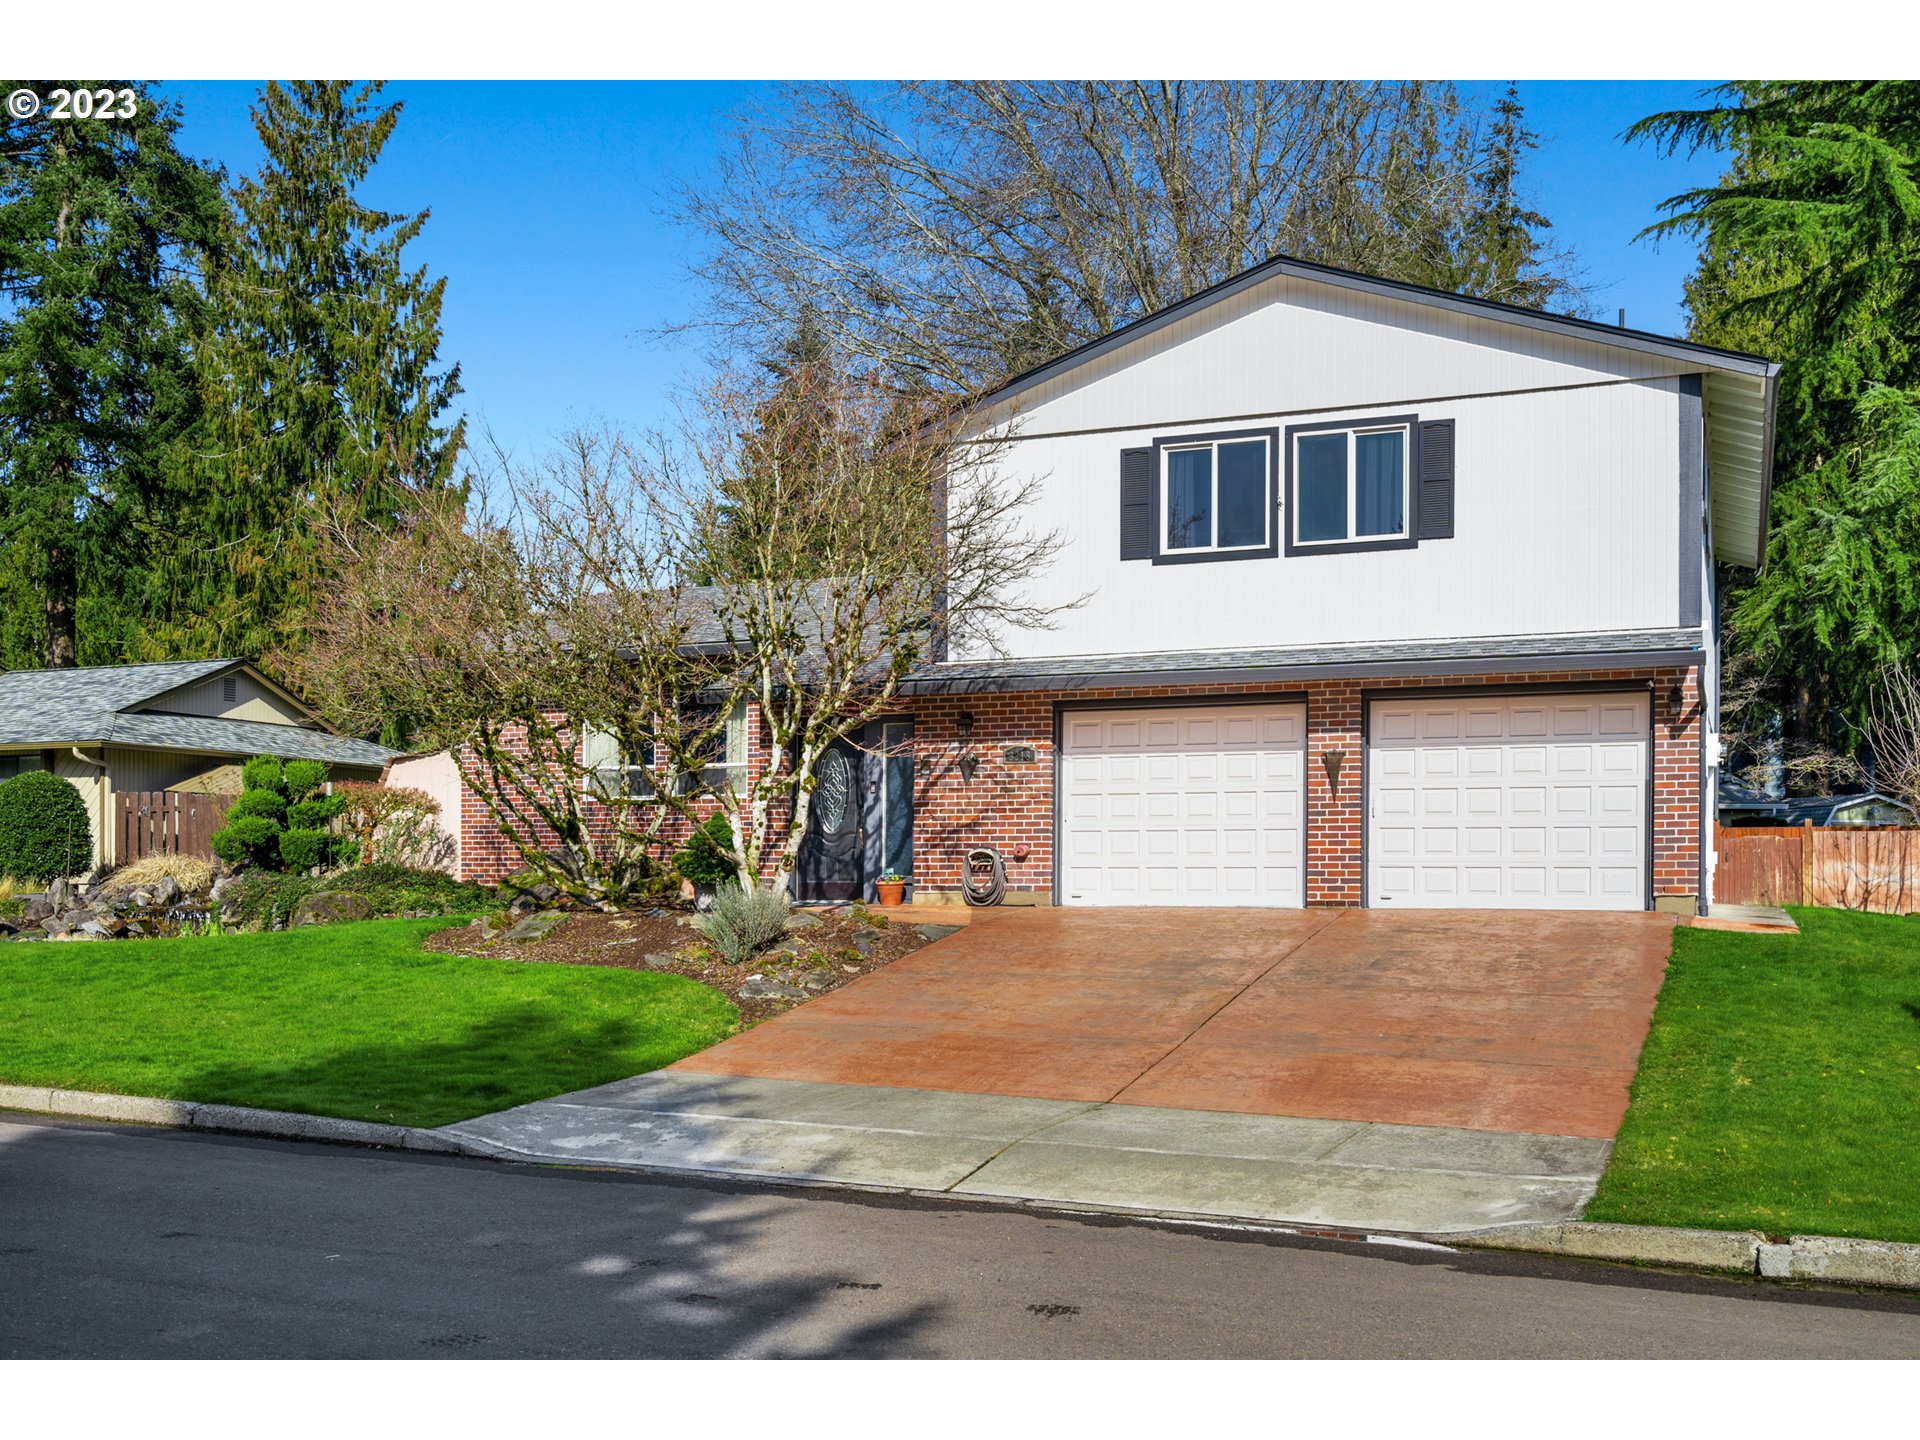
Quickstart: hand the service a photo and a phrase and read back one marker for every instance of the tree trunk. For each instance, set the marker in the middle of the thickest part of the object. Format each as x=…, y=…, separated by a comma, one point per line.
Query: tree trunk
x=62, y=588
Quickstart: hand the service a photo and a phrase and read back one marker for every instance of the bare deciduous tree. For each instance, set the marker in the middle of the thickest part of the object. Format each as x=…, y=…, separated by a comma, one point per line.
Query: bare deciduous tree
x=804, y=544
x=1893, y=734
x=953, y=233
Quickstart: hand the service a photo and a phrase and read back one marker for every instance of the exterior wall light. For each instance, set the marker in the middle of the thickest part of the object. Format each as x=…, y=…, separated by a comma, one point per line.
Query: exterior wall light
x=1333, y=760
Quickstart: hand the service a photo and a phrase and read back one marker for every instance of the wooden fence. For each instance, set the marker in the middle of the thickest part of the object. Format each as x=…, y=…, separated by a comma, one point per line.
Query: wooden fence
x=163, y=822
x=1864, y=869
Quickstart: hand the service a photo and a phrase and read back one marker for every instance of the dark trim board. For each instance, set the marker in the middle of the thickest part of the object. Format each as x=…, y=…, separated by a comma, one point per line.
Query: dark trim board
x=1369, y=697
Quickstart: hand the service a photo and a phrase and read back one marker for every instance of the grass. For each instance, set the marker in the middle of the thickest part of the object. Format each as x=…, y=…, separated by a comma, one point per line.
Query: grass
x=1780, y=1085
x=354, y=1020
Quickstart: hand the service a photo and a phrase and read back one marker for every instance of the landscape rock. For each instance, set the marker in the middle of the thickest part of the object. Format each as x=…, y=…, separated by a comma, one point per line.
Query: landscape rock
x=866, y=933
x=141, y=898
x=329, y=906
x=55, y=927
x=76, y=917
x=534, y=927
x=7, y=927
x=657, y=960
x=166, y=892
x=934, y=932
x=221, y=885
x=36, y=909
x=804, y=920
x=60, y=894
x=97, y=930
x=759, y=987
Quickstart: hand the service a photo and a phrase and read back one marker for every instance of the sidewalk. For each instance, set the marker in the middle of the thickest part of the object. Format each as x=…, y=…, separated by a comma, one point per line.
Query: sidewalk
x=1333, y=1174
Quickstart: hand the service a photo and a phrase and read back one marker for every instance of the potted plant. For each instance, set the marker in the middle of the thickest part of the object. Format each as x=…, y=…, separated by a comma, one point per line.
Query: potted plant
x=892, y=888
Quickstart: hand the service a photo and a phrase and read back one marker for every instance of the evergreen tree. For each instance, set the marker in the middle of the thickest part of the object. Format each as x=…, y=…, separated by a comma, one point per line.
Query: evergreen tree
x=324, y=399
x=1811, y=254
x=101, y=221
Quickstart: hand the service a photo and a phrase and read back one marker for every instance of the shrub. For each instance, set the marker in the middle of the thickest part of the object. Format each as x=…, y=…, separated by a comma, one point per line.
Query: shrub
x=394, y=824
x=262, y=772
x=258, y=802
x=249, y=840
x=281, y=818
x=43, y=827
x=260, y=897
x=742, y=923
x=707, y=857
x=302, y=778
x=304, y=849
x=314, y=813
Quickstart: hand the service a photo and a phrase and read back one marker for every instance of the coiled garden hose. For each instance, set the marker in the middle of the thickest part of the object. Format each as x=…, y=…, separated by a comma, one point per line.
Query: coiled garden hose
x=991, y=889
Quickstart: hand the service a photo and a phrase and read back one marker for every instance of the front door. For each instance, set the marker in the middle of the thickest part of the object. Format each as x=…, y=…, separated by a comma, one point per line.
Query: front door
x=830, y=865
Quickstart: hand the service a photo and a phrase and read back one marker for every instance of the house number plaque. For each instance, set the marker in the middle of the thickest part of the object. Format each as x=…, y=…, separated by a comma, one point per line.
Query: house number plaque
x=1019, y=755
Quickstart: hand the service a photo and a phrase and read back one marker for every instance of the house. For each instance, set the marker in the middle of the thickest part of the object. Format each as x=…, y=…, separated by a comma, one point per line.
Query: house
x=1742, y=804
x=1396, y=599
x=182, y=726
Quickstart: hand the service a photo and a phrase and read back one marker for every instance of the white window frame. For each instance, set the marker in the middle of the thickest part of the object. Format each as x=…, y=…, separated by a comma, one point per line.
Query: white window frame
x=1405, y=532
x=1173, y=447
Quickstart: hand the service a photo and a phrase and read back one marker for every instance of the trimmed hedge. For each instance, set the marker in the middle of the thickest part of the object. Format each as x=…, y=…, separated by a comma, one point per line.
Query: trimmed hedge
x=707, y=857
x=44, y=832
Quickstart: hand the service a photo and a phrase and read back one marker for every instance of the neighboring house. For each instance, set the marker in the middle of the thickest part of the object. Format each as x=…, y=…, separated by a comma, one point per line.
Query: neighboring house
x=1397, y=599
x=1741, y=804
x=180, y=726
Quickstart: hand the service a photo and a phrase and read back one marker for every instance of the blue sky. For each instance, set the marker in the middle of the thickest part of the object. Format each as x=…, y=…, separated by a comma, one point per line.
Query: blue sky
x=551, y=219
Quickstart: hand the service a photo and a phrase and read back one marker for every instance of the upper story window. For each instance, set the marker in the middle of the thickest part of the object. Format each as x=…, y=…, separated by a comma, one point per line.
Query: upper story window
x=1215, y=495
x=1350, y=487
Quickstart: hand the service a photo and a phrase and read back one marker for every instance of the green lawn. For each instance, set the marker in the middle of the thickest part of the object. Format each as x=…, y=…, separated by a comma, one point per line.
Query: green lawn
x=1780, y=1086
x=352, y=1020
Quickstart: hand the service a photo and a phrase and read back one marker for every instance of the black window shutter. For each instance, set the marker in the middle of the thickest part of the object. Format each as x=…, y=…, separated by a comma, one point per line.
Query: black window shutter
x=1436, y=480
x=1136, y=504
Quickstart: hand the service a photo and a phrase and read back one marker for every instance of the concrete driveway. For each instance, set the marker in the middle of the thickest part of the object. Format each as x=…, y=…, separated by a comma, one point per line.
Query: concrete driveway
x=1520, y=1022
x=1424, y=1074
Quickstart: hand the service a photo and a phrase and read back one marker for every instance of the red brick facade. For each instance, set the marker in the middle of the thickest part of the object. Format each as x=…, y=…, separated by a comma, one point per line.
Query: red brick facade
x=1010, y=804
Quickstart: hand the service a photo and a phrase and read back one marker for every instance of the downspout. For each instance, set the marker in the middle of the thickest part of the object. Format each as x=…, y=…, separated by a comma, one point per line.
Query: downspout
x=100, y=832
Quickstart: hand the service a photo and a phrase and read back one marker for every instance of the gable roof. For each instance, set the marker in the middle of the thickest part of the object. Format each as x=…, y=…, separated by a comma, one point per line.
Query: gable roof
x=105, y=705
x=1739, y=391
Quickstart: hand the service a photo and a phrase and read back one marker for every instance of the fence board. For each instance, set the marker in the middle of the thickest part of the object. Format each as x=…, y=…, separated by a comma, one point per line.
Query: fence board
x=165, y=822
x=1852, y=869
x=1759, y=865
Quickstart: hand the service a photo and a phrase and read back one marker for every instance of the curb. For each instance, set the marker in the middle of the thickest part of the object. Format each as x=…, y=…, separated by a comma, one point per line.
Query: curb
x=1827, y=1258
x=227, y=1119
x=1833, y=1260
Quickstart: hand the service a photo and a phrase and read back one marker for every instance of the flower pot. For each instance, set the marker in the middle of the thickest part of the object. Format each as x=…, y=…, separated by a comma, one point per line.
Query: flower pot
x=891, y=892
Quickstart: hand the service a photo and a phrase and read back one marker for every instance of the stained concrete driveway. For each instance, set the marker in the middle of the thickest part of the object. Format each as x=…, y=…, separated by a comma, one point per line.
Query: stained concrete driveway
x=1524, y=1022
x=1426, y=1074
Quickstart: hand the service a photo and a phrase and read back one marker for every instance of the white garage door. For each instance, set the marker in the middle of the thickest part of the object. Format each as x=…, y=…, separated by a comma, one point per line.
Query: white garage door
x=1188, y=806
x=1508, y=803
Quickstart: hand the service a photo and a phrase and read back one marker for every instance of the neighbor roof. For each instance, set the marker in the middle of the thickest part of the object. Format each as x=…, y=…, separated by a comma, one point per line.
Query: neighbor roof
x=1739, y=392
x=105, y=705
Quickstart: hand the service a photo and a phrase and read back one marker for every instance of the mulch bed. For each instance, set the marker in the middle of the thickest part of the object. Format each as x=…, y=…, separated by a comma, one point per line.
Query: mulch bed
x=830, y=953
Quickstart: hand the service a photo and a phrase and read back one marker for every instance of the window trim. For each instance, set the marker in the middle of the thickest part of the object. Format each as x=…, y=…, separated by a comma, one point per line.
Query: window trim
x=1215, y=438
x=1410, y=512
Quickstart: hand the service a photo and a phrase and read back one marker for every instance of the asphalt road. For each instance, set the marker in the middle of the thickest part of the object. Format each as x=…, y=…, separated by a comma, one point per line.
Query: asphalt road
x=121, y=1242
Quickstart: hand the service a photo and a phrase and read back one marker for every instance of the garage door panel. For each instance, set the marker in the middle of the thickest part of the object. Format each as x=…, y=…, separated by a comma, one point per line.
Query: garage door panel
x=1514, y=803
x=1196, y=805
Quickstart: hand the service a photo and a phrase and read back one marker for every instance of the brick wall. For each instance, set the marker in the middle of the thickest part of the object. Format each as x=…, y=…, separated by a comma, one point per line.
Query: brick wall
x=488, y=853
x=1010, y=805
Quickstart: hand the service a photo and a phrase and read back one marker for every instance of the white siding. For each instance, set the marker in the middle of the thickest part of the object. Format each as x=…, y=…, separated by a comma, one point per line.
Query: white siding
x=1295, y=345
x=252, y=701
x=1567, y=520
